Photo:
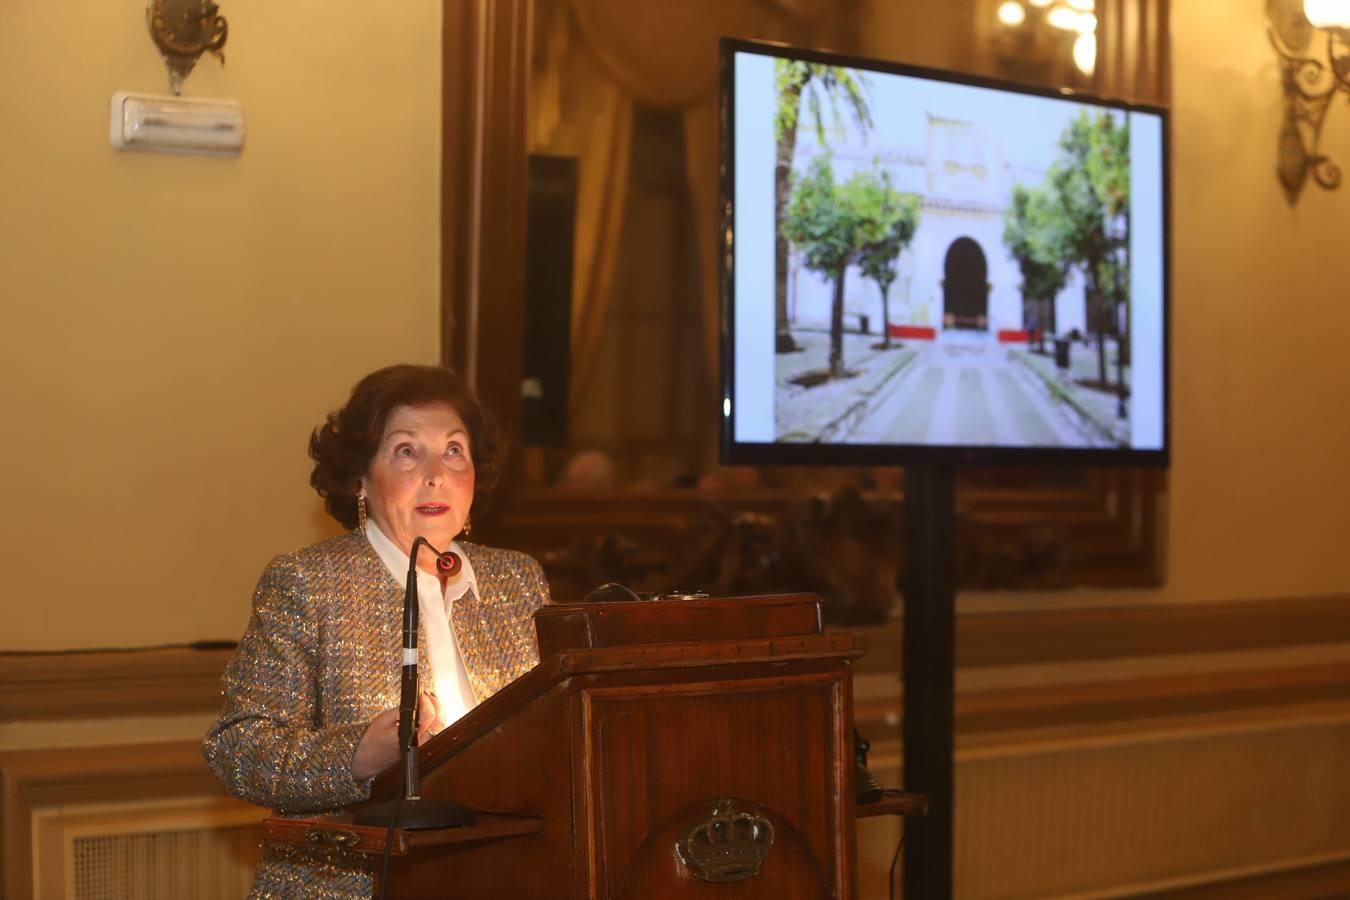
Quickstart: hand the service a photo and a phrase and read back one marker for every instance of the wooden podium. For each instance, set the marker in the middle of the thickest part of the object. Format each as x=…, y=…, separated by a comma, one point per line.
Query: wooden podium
x=673, y=748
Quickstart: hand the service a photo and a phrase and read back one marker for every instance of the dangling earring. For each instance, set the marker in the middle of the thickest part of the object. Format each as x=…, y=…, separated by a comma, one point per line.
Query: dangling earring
x=361, y=511
x=464, y=532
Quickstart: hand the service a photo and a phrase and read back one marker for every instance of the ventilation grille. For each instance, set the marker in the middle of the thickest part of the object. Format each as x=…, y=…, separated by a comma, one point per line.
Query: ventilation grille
x=209, y=864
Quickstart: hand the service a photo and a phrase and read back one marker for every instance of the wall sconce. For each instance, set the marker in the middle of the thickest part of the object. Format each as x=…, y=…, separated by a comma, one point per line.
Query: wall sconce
x=183, y=30
x=1312, y=38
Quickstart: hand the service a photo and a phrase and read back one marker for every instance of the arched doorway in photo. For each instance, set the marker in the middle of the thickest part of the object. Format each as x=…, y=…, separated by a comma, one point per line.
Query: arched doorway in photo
x=965, y=286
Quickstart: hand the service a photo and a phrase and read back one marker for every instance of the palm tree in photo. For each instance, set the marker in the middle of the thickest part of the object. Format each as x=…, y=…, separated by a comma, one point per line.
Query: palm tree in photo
x=816, y=85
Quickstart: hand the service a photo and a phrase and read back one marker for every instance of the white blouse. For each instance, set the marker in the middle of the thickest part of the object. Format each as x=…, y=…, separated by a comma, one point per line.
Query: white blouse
x=447, y=665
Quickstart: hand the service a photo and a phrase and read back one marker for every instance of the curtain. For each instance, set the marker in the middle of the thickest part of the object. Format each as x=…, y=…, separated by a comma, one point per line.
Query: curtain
x=578, y=110
x=619, y=53
x=701, y=159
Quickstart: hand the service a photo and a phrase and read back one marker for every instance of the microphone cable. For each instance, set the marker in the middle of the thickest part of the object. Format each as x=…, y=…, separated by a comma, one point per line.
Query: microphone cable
x=389, y=836
x=890, y=892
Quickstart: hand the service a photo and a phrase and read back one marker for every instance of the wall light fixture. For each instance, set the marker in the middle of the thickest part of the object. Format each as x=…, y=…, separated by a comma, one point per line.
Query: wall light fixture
x=183, y=30
x=1312, y=39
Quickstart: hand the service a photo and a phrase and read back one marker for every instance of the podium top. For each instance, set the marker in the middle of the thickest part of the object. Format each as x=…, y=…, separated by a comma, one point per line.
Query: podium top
x=645, y=636
x=578, y=626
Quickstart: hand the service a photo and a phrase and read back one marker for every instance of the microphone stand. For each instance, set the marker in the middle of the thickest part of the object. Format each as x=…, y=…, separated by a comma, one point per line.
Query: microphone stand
x=411, y=811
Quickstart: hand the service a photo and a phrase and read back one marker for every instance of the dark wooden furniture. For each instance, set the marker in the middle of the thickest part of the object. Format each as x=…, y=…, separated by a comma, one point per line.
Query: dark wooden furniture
x=658, y=744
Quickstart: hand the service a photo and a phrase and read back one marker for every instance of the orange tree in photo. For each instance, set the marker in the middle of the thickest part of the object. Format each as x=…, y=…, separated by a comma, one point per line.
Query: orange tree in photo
x=1035, y=237
x=879, y=259
x=1090, y=186
x=832, y=224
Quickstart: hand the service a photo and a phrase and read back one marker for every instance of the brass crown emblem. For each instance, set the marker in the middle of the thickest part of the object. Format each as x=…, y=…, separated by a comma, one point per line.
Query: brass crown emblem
x=729, y=845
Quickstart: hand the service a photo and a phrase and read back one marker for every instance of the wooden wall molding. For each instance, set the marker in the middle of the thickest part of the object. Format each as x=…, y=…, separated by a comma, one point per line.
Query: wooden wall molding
x=1053, y=717
x=1238, y=657
x=1089, y=706
x=1127, y=632
x=30, y=779
x=1000, y=639
x=176, y=681
x=110, y=684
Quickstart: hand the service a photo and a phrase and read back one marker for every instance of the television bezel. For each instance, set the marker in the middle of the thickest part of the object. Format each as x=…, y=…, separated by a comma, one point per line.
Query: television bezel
x=733, y=452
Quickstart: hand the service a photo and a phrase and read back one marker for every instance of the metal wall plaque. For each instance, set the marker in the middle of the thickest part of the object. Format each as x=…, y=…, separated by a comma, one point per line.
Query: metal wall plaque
x=183, y=30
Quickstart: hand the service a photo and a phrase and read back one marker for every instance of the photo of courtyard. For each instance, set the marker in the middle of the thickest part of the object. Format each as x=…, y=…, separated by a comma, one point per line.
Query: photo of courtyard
x=951, y=267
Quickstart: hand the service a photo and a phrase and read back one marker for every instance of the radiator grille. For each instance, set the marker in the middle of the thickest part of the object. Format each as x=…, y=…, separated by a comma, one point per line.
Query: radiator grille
x=210, y=864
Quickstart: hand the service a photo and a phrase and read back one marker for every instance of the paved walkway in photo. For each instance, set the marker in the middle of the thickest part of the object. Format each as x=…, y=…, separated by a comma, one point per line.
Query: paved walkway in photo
x=962, y=389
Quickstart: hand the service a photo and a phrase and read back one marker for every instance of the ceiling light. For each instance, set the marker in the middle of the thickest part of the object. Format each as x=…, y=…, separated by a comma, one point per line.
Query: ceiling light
x=1011, y=13
x=1085, y=53
x=1327, y=13
x=1063, y=17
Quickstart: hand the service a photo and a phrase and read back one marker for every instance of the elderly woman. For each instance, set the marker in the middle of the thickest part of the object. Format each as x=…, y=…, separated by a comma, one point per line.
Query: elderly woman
x=311, y=696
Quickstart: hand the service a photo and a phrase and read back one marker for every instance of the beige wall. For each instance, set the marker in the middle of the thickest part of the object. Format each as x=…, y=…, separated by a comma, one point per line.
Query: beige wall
x=1260, y=478
x=1261, y=308
x=174, y=326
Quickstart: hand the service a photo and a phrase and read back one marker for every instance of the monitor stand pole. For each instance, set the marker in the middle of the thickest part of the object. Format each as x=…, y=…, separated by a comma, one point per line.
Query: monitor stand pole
x=929, y=674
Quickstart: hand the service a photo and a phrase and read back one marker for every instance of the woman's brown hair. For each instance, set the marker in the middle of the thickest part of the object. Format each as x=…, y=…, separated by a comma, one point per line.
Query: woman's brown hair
x=344, y=445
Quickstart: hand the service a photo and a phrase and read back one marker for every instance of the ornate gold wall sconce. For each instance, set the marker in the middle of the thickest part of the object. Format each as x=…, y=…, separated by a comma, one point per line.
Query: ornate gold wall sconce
x=1312, y=38
x=183, y=30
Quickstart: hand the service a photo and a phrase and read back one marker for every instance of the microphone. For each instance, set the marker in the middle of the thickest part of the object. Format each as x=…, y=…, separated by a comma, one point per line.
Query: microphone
x=411, y=811
x=447, y=563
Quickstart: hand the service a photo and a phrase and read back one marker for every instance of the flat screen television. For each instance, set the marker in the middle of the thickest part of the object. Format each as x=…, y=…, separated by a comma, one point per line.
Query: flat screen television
x=921, y=265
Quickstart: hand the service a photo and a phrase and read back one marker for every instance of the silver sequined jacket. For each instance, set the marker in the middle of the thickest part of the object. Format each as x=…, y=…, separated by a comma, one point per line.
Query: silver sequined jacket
x=320, y=659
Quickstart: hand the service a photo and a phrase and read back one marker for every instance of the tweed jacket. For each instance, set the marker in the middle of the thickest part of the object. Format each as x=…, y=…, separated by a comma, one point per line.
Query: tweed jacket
x=320, y=659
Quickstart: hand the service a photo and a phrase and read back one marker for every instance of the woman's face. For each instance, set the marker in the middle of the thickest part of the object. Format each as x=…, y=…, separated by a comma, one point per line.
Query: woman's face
x=420, y=481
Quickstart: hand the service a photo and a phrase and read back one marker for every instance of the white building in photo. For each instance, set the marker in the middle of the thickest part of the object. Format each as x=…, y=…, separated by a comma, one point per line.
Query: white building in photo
x=956, y=274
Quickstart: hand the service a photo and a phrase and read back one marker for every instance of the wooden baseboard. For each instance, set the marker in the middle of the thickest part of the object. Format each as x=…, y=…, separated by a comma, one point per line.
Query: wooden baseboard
x=30, y=779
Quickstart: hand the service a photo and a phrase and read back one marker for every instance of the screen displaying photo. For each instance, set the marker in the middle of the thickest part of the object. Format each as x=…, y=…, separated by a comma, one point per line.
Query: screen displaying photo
x=921, y=262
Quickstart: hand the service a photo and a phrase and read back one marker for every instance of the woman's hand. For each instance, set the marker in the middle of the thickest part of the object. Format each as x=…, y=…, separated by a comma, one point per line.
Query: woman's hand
x=379, y=749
